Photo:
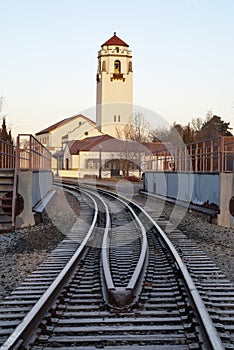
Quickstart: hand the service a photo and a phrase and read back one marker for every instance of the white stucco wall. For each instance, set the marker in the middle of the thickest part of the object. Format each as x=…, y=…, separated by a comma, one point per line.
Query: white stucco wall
x=67, y=128
x=82, y=131
x=74, y=129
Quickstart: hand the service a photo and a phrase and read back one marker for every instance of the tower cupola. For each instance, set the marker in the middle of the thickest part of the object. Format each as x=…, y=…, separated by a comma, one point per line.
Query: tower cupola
x=114, y=85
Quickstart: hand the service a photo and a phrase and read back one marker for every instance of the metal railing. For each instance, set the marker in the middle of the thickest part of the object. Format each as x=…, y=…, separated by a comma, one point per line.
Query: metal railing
x=28, y=153
x=214, y=155
x=32, y=154
x=7, y=155
x=14, y=194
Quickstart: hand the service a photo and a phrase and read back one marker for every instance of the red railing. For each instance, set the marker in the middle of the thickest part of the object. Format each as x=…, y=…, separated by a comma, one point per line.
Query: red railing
x=32, y=154
x=214, y=155
x=7, y=155
x=14, y=194
x=29, y=152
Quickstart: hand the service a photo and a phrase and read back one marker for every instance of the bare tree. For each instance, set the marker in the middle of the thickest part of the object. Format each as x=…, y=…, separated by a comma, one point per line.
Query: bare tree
x=138, y=129
x=135, y=133
x=160, y=134
x=196, y=124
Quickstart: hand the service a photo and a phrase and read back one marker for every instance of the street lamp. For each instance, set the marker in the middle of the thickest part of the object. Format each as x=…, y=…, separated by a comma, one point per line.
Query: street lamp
x=100, y=161
x=58, y=164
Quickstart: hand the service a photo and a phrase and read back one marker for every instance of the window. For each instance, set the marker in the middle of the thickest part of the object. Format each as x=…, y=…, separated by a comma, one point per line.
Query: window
x=114, y=118
x=117, y=67
x=130, y=66
x=117, y=49
x=67, y=164
x=92, y=164
x=104, y=66
x=118, y=118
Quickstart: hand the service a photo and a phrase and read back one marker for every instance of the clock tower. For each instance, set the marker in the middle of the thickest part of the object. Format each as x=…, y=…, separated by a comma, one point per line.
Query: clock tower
x=114, y=86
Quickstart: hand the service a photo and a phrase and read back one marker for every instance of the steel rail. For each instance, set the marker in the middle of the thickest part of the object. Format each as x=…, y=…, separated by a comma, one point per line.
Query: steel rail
x=141, y=262
x=105, y=242
x=121, y=297
x=206, y=323
x=105, y=247
x=108, y=281
x=113, y=292
x=208, y=326
x=209, y=329
x=31, y=320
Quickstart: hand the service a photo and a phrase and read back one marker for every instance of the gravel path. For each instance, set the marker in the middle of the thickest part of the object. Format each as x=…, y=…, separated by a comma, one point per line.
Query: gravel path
x=21, y=252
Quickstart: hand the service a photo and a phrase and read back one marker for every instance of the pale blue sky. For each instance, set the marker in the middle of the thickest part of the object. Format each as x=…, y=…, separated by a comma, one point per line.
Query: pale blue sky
x=183, y=57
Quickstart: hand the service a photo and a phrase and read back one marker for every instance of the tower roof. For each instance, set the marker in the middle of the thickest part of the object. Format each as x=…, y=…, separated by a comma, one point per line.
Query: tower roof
x=115, y=40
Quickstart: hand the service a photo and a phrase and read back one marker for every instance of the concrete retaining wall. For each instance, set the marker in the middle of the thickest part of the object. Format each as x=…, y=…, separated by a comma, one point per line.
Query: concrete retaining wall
x=42, y=183
x=196, y=188
x=226, y=193
x=32, y=186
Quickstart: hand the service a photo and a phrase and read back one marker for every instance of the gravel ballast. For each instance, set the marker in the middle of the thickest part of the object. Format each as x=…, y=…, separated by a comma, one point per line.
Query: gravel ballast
x=217, y=242
x=22, y=251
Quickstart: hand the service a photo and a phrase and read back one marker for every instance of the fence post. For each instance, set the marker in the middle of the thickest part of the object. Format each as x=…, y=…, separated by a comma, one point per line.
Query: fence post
x=211, y=156
x=30, y=153
x=221, y=154
x=14, y=195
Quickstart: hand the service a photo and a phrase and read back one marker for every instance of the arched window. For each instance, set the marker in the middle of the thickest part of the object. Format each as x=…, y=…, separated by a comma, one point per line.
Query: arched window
x=104, y=66
x=117, y=67
x=130, y=66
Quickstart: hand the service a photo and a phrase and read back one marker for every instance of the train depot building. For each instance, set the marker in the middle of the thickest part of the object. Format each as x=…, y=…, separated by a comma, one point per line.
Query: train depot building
x=82, y=147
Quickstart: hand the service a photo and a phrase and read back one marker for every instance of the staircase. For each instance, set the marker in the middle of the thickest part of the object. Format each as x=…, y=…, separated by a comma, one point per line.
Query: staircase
x=6, y=200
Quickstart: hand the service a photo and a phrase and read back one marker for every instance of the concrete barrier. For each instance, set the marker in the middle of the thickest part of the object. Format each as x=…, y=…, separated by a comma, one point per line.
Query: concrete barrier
x=225, y=218
x=214, y=190
x=32, y=186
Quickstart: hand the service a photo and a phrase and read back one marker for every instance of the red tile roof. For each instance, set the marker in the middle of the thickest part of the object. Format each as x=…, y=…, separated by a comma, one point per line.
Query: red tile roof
x=87, y=144
x=111, y=144
x=157, y=147
x=116, y=41
x=62, y=122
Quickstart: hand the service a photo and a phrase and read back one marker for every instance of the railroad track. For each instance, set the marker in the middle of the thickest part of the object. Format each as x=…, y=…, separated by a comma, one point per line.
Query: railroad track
x=117, y=282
